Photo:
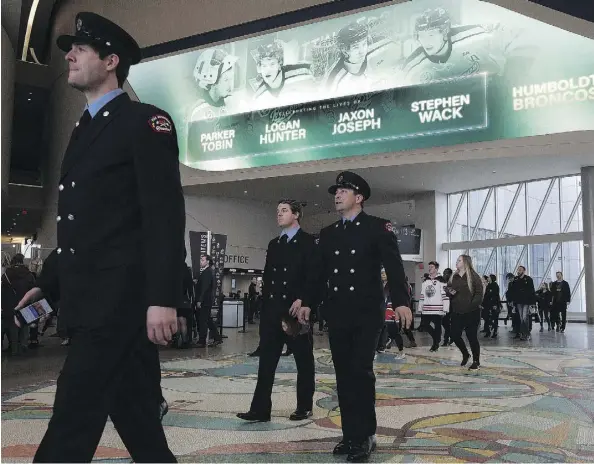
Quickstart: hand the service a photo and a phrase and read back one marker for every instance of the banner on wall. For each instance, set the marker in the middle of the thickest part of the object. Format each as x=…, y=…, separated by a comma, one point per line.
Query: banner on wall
x=418, y=74
x=215, y=246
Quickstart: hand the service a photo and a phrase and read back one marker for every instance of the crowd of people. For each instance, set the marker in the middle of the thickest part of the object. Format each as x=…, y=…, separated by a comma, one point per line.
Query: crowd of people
x=456, y=301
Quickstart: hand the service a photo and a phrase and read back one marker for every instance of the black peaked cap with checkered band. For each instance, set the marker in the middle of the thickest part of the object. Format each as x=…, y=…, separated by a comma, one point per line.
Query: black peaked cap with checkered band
x=350, y=180
x=94, y=29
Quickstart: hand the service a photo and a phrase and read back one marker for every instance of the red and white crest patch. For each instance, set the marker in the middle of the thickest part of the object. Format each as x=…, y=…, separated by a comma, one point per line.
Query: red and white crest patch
x=389, y=227
x=160, y=124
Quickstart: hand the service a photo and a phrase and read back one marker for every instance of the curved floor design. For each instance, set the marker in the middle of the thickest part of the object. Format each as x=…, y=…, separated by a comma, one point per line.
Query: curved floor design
x=524, y=405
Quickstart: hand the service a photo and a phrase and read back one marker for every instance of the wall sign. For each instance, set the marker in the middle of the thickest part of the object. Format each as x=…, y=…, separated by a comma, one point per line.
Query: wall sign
x=411, y=75
x=245, y=258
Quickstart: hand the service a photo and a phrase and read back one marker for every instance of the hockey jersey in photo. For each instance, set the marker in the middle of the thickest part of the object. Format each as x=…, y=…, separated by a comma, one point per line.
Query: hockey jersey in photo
x=433, y=299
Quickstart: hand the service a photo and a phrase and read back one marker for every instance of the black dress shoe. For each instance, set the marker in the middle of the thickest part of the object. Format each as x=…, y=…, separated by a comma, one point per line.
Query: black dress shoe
x=299, y=415
x=288, y=353
x=253, y=417
x=465, y=358
x=255, y=354
x=360, y=452
x=343, y=447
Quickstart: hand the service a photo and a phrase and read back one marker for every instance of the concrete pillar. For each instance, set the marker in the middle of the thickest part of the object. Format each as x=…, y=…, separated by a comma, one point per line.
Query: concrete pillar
x=588, y=219
x=64, y=109
x=8, y=67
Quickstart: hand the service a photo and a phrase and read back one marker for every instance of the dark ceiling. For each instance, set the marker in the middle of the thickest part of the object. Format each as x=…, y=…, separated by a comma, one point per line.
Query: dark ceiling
x=583, y=9
x=17, y=222
x=28, y=149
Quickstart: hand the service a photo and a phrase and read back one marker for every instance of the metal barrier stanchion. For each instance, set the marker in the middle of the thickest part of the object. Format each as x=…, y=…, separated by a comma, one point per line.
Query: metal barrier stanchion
x=245, y=311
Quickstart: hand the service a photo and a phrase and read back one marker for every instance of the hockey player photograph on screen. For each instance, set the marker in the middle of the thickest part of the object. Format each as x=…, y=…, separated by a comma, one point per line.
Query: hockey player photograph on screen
x=416, y=74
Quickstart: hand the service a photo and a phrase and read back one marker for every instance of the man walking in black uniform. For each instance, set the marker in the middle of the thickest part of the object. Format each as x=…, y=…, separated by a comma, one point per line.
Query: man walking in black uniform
x=121, y=221
x=205, y=290
x=287, y=286
x=352, y=252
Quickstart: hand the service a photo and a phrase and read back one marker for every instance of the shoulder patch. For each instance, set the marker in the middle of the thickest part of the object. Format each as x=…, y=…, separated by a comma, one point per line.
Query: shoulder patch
x=389, y=227
x=160, y=124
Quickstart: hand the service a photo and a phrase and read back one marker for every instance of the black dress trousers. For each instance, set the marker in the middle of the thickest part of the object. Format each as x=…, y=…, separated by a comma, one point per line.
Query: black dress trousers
x=108, y=372
x=272, y=340
x=353, y=350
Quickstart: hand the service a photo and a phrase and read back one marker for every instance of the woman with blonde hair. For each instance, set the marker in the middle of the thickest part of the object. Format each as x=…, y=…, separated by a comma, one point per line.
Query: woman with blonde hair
x=465, y=288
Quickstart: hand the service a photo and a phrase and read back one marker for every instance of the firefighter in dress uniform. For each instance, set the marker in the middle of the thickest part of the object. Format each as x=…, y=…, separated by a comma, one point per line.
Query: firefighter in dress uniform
x=120, y=245
x=287, y=285
x=352, y=252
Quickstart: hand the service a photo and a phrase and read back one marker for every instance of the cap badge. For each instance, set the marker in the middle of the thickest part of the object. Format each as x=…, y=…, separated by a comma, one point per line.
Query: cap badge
x=340, y=179
x=78, y=24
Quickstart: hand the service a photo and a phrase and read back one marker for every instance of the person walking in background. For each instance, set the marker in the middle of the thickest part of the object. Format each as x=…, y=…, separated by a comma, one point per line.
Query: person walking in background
x=434, y=303
x=465, y=288
x=492, y=303
x=17, y=280
x=523, y=296
x=446, y=321
x=252, y=295
x=544, y=300
x=392, y=331
x=183, y=339
x=561, y=297
x=205, y=292
x=484, y=309
x=512, y=312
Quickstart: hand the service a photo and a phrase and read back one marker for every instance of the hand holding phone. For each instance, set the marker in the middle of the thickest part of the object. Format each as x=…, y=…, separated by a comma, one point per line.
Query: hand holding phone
x=32, y=313
x=32, y=295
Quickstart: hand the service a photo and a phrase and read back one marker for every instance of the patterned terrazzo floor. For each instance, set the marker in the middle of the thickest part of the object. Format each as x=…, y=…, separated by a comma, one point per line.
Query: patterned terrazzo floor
x=524, y=405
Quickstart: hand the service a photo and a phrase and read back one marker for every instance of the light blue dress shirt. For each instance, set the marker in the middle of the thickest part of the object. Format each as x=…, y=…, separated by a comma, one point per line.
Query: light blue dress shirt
x=290, y=233
x=96, y=106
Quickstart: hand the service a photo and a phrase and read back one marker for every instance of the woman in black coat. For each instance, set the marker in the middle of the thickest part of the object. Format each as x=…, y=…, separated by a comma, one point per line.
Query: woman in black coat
x=544, y=299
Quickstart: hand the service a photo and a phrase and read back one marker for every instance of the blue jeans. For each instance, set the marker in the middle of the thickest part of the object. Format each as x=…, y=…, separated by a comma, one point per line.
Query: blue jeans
x=524, y=313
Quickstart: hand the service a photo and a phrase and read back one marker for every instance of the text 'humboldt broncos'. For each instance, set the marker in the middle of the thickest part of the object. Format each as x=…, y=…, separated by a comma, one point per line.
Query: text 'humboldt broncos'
x=440, y=109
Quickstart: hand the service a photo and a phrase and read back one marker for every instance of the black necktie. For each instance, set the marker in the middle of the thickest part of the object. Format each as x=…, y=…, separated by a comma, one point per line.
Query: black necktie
x=83, y=123
x=346, y=224
x=284, y=239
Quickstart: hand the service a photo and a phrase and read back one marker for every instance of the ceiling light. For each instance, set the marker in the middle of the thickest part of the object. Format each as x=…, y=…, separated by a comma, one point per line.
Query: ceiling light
x=318, y=185
x=245, y=191
x=315, y=204
x=28, y=99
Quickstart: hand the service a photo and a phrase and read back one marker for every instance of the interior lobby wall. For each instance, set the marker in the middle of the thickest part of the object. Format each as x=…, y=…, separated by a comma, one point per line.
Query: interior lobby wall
x=247, y=223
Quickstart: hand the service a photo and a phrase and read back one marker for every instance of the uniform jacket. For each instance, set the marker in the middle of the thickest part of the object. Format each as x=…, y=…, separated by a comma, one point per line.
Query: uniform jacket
x=121, y=218
x=351, y=261
x=561, y=292
x=289, y=272
x=433, y=300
